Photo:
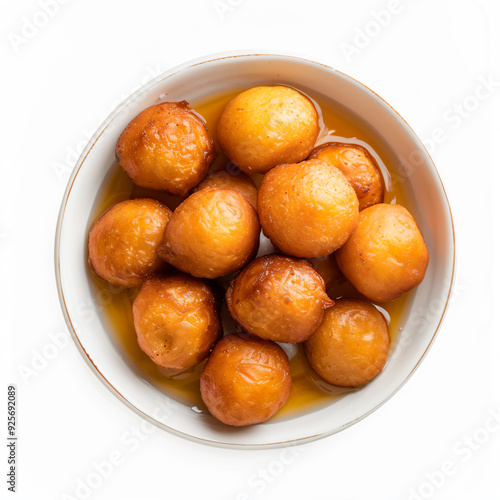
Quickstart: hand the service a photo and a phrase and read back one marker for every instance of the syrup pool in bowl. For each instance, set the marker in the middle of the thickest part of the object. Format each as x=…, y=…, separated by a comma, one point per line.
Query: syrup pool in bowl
x=309, y=391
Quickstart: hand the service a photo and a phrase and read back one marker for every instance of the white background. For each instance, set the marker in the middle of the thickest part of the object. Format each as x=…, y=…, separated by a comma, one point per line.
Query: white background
x=61, y=79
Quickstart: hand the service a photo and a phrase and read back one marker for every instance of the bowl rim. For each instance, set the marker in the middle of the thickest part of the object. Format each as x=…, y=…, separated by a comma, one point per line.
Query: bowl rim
x=210, y=58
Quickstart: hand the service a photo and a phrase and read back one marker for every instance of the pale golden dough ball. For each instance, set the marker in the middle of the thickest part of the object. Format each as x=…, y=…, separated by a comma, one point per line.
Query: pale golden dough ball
x=176, y=321
x=358, y=166
x=351, y=345
x=123, y=241
x=265, y=126
x=386, y=255
x=240, y=182
x=246, y=380
x=278, y=298
x=166, y=147
x=214, y=232
x=307, y=209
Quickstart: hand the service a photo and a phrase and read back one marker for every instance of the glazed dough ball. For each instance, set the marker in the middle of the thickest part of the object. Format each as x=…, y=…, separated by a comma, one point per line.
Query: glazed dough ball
x=214, y=232
x=266, y=126
x=246, y=380
x=351, y=345
x=359, y=168
x=278, y=298
x=240, y=182
x=386, y=255
x=124, y=240
x=166, y=147
x=176, y=321
x=307, y=209
x=328, y=269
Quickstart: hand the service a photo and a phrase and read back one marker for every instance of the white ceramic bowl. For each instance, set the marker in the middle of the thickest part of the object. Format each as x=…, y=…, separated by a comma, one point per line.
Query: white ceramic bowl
x=190, y=82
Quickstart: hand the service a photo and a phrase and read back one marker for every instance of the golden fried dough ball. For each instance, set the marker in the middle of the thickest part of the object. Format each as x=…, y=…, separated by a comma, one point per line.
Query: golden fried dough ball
x=212, y=233
x=166, y=147
x=307, y=209
x=240, y=182
x=358, y=166
x=351, y=345
x=265, y=126
x=246, y=380
x=278, y=298
x=327, y=268
x=124, y=240
x=386, y=255
x=176, y=321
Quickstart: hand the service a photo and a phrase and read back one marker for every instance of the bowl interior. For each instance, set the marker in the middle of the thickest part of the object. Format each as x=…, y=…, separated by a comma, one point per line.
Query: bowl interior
x=426, y=200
